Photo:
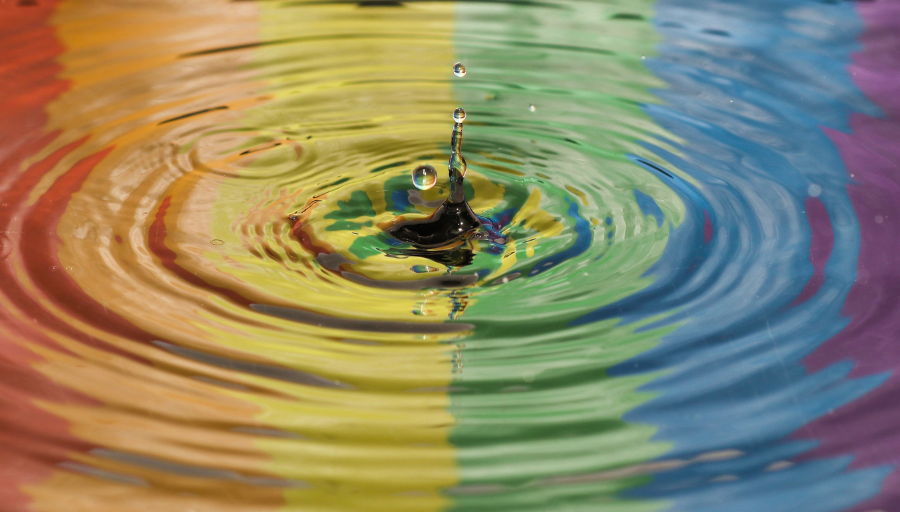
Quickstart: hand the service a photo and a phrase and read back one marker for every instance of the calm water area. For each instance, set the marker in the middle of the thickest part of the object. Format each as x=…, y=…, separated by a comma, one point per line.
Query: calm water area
x=684, y=295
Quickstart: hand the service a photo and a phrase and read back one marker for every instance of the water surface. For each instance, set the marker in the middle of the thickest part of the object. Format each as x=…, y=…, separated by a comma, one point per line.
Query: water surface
x=684, y=297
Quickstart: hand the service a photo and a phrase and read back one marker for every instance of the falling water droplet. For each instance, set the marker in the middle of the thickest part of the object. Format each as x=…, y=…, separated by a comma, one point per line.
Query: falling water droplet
x=459, y=70
x=424, y=177
x=459, y=115
x=532, y=108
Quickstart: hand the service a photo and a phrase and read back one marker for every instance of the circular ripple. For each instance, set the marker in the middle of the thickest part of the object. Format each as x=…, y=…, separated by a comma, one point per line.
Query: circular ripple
x=203, y=303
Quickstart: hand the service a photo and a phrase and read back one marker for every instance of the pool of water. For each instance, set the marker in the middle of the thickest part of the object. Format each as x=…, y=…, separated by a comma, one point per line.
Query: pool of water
x=685, y=298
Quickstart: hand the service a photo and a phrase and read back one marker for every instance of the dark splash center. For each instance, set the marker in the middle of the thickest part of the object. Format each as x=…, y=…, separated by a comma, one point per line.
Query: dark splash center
x=454, y=219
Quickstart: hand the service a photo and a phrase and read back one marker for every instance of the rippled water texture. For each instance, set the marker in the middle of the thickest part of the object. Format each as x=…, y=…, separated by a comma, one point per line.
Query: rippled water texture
x=686, y=297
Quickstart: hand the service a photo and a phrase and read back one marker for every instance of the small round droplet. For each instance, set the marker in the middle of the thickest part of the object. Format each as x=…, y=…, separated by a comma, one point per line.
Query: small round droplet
x=216, y=241
x=814, y=190
x=424, y=177
x=459, y=70
x=532, y=108
x=459, y=115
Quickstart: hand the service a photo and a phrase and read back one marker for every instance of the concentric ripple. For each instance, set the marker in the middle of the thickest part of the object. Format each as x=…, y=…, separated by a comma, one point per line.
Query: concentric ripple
x=676, y=301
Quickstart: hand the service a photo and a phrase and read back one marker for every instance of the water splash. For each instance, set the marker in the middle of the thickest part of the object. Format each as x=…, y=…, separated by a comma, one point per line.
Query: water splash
x=457, y=164
x=454, y=218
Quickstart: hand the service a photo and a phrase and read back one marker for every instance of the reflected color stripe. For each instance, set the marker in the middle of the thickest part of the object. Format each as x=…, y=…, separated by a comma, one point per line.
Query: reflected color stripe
x=869, y=149
x=821, y=483
x=94, y=479
x=563, y=432
x=403, y=85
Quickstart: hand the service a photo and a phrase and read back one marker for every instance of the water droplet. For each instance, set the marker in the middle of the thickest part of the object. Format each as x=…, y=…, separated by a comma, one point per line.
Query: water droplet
x=424, y=177
x=216, y=241
x=459, y=115
x=814, y=190
x=879, y=219
x=532, y=108
x=459, y=70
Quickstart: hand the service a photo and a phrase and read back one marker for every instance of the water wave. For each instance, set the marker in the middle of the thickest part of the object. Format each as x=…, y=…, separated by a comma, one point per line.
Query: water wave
x=202, y=309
